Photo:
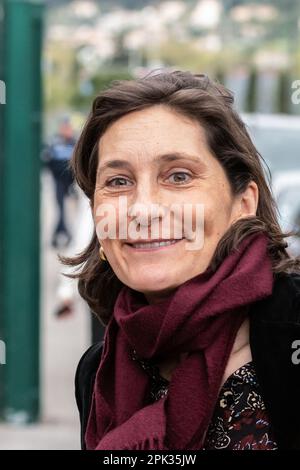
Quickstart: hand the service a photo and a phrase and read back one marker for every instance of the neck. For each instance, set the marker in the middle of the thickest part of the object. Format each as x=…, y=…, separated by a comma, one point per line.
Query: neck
x=158, y=297
x=241, y=351
x=242, y=337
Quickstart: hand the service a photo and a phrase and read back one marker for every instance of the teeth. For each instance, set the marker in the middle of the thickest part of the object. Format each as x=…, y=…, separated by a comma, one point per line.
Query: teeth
x=154, y=244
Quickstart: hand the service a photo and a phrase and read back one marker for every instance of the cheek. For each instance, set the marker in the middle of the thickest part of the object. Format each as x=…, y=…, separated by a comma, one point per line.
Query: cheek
x=106, y=219
x=217, y=213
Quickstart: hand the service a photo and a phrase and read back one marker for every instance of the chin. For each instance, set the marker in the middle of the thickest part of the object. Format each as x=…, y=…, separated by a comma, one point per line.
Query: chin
x=152, y=281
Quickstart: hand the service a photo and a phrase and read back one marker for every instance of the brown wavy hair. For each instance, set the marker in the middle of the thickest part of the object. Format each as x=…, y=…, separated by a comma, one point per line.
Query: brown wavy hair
x=210, y=104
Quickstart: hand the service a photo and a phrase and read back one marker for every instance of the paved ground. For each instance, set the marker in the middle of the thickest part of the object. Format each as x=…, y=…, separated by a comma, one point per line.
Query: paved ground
x=63, y=342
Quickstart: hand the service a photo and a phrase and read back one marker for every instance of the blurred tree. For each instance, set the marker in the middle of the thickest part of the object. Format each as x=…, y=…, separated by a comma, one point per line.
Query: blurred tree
x=60, y=75
x=252, y=91
x=284, y=92
x=98, y=82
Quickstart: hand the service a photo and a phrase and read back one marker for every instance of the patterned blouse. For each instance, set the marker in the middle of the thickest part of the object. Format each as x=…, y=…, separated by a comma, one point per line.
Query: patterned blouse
x=240, y=420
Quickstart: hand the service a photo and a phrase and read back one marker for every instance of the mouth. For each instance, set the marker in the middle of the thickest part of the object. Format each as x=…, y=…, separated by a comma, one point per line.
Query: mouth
x=153, y=245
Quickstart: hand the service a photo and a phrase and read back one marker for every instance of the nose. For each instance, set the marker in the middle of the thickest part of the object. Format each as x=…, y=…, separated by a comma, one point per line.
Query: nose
x=145, y=214
x=146, y=206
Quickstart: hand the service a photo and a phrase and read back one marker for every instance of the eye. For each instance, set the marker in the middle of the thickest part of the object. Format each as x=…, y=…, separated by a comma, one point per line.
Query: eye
x=118, y=181
x=179, y=177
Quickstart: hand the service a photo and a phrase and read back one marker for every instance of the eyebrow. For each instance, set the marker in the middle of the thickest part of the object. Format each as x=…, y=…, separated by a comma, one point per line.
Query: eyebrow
x=167, y=157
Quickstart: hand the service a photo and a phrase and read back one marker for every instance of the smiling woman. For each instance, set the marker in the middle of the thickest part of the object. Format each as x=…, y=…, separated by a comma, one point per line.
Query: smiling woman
x=164, y=158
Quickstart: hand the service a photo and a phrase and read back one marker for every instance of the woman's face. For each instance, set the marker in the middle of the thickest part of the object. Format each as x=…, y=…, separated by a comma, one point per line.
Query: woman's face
x=156, y=158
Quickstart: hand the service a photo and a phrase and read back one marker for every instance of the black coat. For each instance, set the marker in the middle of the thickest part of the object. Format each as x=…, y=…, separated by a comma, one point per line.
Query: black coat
x=274, y=327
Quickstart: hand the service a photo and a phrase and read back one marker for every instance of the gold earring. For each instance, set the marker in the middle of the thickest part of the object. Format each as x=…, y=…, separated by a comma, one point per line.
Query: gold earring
x=102, y=254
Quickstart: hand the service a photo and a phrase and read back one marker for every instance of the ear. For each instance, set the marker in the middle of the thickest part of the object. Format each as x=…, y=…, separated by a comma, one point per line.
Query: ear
x=247, y=202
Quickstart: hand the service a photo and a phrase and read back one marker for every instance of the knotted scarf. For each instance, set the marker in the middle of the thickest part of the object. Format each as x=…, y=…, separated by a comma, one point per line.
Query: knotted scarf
x=201, y=317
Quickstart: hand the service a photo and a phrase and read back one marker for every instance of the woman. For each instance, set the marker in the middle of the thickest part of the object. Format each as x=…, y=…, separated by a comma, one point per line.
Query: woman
x=200, y=327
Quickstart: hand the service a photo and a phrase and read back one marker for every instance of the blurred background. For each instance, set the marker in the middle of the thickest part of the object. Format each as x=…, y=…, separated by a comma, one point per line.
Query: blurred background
x=55, y=57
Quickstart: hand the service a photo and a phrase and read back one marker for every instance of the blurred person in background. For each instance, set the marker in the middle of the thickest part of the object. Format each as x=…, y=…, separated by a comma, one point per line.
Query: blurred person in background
x=57, y=155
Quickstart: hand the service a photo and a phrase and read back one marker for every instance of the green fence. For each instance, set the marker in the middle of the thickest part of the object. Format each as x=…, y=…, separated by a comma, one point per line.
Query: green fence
x=1, y=194
x=21, y=30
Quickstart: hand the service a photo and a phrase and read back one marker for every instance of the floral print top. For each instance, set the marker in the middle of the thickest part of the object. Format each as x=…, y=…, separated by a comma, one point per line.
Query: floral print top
x=240, y=420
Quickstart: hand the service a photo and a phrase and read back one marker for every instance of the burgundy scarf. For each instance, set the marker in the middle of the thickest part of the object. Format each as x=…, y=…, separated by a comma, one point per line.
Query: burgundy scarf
x=201, y=317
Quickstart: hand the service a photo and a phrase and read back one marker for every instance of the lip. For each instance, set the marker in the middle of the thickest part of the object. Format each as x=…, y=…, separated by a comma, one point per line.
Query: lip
x=156, y=248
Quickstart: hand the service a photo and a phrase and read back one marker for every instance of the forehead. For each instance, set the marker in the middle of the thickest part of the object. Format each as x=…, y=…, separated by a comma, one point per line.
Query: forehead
x=152, y=131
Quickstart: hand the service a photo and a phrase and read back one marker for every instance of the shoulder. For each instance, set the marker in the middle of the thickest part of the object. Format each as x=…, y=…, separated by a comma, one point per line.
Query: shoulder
x=283, y=305
x=90, y=358
x=87, y=366
x=275, y=321
x=274, y=327
x=84, y=383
